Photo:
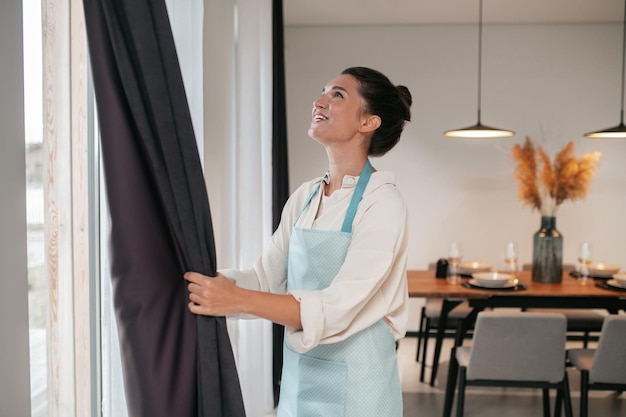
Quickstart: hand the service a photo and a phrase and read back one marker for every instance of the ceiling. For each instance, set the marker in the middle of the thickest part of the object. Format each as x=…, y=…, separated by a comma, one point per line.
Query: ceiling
x=383, y=12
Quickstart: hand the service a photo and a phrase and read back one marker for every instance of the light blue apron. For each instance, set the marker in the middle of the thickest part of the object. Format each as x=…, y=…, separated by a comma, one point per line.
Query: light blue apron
x=356, y=377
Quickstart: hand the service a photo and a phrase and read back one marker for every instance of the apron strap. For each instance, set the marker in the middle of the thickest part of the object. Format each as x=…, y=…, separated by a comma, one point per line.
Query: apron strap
x=307, y=202
x=364, y=178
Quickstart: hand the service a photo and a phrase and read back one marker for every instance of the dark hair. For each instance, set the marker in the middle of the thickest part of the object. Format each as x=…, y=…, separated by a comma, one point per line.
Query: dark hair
x=391, y=103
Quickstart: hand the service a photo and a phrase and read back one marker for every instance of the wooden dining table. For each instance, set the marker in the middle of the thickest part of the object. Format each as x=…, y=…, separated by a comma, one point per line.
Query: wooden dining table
x=569, y=293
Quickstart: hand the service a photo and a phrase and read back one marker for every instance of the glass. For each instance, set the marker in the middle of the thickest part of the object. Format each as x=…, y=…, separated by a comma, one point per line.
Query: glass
x=38, y=288
x=585, y=256
x=510, y=259
x=455, y=254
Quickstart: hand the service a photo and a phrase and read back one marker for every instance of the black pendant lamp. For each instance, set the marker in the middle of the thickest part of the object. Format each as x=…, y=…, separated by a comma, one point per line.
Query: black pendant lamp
x=619, y=131
x=479, y=130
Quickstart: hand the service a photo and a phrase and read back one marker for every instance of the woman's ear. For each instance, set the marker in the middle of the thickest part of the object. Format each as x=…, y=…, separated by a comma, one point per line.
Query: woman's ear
x=370, y=122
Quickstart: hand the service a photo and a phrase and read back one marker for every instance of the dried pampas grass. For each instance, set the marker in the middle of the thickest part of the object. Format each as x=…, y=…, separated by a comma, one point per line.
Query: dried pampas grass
x=526, y=174
x=544, y=184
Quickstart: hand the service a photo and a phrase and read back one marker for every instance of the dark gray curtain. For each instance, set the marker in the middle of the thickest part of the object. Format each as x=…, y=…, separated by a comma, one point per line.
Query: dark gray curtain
x=280, y=166
x=175, y=364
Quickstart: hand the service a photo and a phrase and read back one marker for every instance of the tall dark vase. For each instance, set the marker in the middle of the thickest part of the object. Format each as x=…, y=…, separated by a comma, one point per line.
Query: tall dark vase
x=548, y=252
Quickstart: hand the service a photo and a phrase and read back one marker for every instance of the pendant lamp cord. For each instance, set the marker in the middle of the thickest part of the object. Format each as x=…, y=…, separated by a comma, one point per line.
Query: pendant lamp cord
x=480, y=53
x=623, y=65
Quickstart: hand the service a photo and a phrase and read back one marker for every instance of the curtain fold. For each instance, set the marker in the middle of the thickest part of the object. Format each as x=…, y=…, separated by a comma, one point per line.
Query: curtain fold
x=175, y=364
x=280, y=165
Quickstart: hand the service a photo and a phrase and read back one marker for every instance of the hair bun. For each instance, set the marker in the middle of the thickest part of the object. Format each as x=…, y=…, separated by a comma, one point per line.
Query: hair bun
x=407, y=100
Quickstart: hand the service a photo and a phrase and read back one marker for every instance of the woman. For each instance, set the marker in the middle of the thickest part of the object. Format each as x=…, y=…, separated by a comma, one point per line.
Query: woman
x=334, y=272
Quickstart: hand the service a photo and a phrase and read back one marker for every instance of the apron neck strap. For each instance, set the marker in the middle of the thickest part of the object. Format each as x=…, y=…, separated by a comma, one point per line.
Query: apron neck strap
x=307, y=202
x=364, y=178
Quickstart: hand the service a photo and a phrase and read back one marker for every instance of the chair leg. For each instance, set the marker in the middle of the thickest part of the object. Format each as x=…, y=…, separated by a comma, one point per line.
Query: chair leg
x=546, y=402
x=563, y=397
x=436, y=356
x=558, y=401
x=584, y=393
x=460, y=403
x=567, y=398
x=425, y=349
x=420, y=334
x=585, y=339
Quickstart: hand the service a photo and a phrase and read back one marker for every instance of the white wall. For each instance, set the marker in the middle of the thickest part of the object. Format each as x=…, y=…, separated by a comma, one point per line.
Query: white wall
x=14, y=375
x=553, y=83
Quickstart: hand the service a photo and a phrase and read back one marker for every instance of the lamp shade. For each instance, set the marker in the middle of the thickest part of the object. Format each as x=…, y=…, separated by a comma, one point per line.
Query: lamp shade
x=479, y=131
x=619, y=131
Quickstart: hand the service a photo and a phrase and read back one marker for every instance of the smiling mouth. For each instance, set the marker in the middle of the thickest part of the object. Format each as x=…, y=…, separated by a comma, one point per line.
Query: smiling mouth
x=319, y=118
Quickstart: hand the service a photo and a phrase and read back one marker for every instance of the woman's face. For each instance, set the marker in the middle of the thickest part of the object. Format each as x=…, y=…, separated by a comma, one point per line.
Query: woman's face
x=338, y=113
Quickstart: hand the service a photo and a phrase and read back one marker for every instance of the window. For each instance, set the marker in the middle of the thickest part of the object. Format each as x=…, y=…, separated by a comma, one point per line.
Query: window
x=62, y=237
x=75, y=360
x=37, y=282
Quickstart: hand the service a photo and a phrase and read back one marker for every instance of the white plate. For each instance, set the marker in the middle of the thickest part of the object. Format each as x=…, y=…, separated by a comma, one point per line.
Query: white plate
x=471, y=267
x=603, y=270
x=621, y=277
x=505, y=284
x=616, y=283
x=493, y=279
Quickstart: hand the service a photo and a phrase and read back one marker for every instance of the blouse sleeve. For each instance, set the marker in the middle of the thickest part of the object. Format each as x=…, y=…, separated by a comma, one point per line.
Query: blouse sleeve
x=371, y=284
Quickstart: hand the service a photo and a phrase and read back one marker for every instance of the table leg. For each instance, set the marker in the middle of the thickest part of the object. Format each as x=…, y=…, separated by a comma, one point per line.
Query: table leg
x=461, y=330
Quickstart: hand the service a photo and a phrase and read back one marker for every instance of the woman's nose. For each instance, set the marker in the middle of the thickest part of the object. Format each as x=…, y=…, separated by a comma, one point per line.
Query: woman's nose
x=319, y=102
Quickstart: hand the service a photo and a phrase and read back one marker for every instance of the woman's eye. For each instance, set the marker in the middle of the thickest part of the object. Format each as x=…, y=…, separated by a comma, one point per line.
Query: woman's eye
x=338, y=94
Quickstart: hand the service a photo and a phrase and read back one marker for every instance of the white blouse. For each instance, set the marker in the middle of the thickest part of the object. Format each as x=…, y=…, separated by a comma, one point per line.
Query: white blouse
x=371, y=285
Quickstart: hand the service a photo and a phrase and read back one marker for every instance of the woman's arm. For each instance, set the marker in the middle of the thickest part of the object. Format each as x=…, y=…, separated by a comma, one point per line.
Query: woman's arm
x=220, y=297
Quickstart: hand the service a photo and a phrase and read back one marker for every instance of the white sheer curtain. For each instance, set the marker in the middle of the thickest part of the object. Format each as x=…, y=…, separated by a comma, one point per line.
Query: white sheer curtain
x=186, y=18
x=237, y=109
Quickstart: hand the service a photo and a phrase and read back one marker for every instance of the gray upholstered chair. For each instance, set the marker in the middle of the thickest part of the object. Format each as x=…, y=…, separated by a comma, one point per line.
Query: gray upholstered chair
x=517, y=349
x=603, y=368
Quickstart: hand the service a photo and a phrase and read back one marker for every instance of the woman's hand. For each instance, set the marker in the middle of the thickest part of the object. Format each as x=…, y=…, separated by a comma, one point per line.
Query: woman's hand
x=212, y=296
x=220, y=297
